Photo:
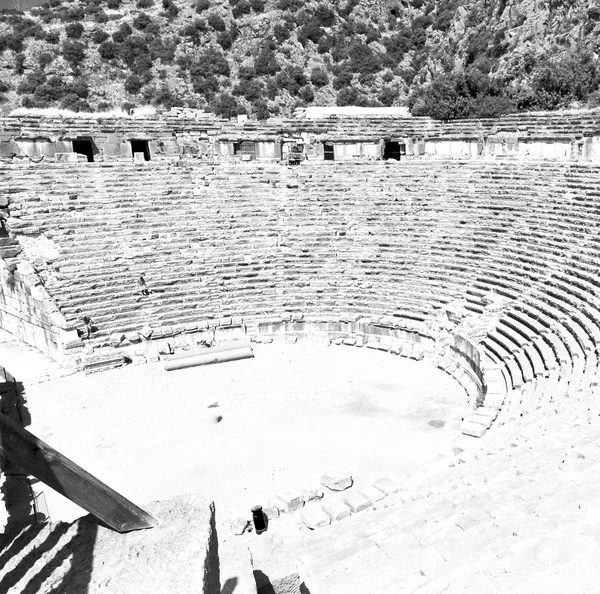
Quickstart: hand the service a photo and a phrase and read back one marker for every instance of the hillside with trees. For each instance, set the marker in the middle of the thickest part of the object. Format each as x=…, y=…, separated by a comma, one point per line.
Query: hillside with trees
x=446, y=59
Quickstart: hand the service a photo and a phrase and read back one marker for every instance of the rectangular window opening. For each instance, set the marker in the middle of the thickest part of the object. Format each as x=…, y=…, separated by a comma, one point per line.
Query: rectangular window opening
x=328, y=152
x=84, y=147
x=140, y=146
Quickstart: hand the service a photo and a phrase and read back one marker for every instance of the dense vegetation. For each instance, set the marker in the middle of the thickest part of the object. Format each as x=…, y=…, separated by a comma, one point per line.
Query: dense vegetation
x=446, y=59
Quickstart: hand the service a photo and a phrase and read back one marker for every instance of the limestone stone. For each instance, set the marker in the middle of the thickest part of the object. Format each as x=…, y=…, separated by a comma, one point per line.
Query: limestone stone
x=468, y=427
x=271, y=510
x=335, y=509
x=314, y=517
x=313, y=494
x=357, y=501
x=386, y=485
x=337, y=480
x=289, y=501
x=146, y=332
x=372, y=493
x=164, y=348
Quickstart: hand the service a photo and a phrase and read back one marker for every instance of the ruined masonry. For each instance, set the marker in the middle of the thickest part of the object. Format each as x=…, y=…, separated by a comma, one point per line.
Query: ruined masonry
x=471, y=244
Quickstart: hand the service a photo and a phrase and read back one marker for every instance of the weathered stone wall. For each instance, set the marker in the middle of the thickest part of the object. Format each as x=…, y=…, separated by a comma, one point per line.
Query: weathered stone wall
x=528, y=136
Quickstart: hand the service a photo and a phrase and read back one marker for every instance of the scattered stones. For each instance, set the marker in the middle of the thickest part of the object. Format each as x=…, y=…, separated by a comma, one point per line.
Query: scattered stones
x=337, y=480
x=357, y=501
x=314, y=517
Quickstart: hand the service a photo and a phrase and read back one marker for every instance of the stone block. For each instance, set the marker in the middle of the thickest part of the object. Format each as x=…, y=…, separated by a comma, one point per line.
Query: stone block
x=66, y=157
x=116, y=339
x=314, y=517
x=289, y=502
x=146, y=332
x=335, y=509
x=313, y=494
x=386, y=486
x=372, y=493
x=338, y=480
x=271, y=510
x=468, y=427
x=132, y=337
x=164, y=348
x=357, y=501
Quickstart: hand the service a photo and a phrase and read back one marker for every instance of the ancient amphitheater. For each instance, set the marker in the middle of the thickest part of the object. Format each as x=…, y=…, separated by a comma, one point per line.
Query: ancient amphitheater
x=471, y=246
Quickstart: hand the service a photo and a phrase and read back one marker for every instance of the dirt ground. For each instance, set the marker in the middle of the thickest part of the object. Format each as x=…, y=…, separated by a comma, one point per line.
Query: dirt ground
x=289, y=414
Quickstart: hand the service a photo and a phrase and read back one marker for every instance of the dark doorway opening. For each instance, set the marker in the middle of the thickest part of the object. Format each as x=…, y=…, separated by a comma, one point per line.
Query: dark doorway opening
x=84, y=147
x=140, y=146
x=394, y=150
x=328, y=152
x=245, y=148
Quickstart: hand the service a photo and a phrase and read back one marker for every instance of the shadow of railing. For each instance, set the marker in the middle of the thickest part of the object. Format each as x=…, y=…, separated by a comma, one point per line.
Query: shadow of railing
x=27, y=536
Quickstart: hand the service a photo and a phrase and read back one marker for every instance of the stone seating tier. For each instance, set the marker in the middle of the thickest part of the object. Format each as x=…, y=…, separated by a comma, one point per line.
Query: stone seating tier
x=254, y=242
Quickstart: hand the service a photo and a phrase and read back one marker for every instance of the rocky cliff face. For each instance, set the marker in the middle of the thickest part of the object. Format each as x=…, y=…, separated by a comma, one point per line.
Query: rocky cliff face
x=264, y=57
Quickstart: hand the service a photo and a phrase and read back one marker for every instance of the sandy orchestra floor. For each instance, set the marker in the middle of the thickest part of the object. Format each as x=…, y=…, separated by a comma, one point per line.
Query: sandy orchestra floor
x=289, y=414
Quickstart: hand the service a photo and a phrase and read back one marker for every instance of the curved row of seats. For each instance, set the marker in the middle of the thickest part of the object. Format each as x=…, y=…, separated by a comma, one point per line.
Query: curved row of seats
x=249, y=242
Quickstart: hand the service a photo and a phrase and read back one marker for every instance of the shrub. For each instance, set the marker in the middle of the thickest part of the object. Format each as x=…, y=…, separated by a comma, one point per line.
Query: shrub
x=170, y=8
x=363, y=59
x=318, y=77
x=252, y=90
x=101, y=17
x=122, y=33
x=73, y=52
x=52, y=37
x=306, y=94
x=258, y=6
x=261, y=110
x=240, y=9
x=265, y=63
x=311, y=31
x=325, y=15
x=108, y=50
x=142, y=21
x=133, y=84
x=144, y=4
x=291, y=79
x=74, y=103
x=76, y=13
x=348, y=96
x=99, y=35
x=216, y=22
x=226, y=106
x=4, y=86
x=19, y=63
x=290, y=5
x=113, y=4
x=206, y=86
x=202, y=5
x=74, y=30
x=388, y=95
x=343, y=79
x=281, y=32
x=210, y=63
